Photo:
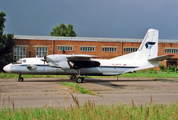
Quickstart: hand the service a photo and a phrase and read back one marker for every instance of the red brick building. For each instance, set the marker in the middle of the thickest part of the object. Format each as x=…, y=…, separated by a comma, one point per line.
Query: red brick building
x=31, y=46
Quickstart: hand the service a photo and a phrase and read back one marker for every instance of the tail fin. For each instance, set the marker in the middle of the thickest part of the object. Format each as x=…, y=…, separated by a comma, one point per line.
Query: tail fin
x=149, y=47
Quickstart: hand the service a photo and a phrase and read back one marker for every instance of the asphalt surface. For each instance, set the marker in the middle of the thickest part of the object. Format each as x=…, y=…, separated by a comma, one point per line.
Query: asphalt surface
x=42, y=92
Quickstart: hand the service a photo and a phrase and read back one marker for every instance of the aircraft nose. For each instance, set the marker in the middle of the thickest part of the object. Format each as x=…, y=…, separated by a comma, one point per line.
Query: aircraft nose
x=7, y=68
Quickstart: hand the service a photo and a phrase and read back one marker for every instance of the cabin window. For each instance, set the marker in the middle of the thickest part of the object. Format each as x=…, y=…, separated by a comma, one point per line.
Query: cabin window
x=41, y=51
x=24, y=61
x=19, y=52
x=65, y=48
x=109, y=49
x=85, y=48
x=130, y=49
x=171, y=50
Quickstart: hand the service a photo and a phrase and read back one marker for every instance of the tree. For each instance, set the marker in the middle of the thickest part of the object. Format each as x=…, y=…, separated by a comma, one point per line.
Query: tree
x=70, y=31
x=2, y=20
x=62, y=30
x=6, y=43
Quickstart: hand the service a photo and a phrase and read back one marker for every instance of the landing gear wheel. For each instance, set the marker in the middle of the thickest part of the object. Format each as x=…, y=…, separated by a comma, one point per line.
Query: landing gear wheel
x=72, y=77
x=20, y=79
x=79, y=80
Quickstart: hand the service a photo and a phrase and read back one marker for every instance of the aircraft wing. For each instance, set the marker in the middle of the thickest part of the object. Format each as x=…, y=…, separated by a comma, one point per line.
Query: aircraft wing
x=82, y=61
x=161, y=58
x=80, y=57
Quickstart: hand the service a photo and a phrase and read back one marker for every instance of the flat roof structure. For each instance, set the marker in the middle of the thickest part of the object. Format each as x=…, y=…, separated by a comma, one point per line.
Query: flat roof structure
x=88, y=39
x=105, y=48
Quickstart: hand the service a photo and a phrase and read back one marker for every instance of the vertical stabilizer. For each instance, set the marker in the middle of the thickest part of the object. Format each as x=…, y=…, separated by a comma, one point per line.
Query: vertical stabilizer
x=149, y=47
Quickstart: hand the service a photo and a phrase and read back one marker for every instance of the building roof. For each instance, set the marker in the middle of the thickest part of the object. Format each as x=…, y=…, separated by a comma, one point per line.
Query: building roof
x=88, y=39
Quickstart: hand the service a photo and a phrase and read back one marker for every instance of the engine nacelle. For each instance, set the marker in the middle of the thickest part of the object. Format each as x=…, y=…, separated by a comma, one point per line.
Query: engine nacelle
x=31, y=66
x=64, y=65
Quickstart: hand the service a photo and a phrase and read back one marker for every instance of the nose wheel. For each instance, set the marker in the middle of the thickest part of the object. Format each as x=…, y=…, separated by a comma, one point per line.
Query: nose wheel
x=20, y=79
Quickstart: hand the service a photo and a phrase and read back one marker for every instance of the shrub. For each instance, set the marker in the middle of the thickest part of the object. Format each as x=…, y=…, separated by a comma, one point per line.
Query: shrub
x=162, y=67
x=172, y=68
x=151, y=70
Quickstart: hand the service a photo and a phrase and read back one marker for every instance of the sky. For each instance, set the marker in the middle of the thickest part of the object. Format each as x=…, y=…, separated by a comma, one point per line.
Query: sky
x=92, y=18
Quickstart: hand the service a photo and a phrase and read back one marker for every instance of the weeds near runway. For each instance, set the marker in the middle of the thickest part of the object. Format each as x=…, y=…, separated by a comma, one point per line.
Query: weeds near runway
x=151, y=74
x=77, y=87
x=143, y=74
x=90, y=111
x=11, y=75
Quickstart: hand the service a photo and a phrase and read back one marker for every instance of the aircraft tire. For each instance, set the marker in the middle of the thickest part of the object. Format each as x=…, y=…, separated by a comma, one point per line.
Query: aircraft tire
x=72, y=77
x=79, y=80
x=20, y=79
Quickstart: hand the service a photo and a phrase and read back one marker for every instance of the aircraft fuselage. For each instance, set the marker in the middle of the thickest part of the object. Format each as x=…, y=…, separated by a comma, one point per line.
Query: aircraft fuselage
x=106, y=68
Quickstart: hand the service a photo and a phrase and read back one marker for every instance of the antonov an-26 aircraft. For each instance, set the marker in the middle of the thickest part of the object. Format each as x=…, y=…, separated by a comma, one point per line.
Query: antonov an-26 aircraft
x=77, y=65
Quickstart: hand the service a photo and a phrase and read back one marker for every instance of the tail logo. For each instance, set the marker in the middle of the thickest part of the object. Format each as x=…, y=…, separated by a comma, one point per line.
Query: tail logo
x=149, y=45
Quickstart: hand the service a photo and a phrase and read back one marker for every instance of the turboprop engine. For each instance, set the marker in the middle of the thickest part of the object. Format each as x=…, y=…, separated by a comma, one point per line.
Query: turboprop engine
x=58, y=61
x=67, y=62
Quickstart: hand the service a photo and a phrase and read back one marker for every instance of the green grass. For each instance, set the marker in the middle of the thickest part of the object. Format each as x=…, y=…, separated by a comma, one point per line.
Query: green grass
x=77, y=87
x=11, y=75
x=91, y=112
x=145, y=74
x=151, y=75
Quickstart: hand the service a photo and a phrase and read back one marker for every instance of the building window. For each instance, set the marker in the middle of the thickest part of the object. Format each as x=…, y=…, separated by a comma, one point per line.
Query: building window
x=130, y=49
x=84, y=48
x=171, y=50
x=109, y=49
x=19, y=52
x=64, y=48
x=41, y=51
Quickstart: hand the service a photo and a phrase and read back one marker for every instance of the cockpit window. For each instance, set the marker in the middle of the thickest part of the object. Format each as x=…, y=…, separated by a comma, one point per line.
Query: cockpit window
x=20, y=60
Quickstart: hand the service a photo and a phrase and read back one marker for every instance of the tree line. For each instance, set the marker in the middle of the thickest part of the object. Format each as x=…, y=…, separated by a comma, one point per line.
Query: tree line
x=6, y=44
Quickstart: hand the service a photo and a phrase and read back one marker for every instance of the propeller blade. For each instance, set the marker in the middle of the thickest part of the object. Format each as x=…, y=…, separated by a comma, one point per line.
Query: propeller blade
x=45, y=59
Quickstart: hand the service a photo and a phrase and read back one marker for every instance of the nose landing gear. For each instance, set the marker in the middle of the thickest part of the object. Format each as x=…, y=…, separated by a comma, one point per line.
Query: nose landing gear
x=20, y=79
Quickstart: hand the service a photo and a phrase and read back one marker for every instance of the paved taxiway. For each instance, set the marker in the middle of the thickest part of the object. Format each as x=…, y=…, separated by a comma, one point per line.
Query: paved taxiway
x=40, y=92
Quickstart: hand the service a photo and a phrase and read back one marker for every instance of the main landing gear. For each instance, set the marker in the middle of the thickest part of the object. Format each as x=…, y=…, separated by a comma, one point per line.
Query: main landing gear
x=77, y=79
x=20, y=79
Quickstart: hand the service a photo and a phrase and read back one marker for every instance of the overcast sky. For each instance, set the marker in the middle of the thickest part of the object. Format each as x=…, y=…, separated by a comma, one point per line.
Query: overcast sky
x=92, y=18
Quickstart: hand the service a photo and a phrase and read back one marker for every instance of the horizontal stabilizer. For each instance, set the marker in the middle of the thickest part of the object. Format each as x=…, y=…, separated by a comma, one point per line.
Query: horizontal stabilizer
x=161, y=58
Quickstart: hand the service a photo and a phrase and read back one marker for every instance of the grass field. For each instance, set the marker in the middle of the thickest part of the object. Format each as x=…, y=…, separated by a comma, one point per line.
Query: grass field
x=151, y=75
x=77, y=87
x=89, y=111
x=146, y=74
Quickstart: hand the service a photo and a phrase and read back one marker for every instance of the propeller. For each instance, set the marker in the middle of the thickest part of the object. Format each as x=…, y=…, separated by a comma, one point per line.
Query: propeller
x=44, y=59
